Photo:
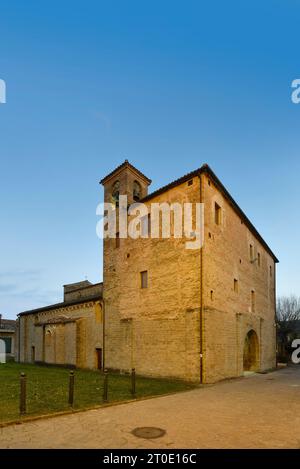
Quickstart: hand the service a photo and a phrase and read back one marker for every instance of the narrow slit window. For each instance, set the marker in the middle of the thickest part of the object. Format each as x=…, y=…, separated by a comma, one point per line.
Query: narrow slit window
x=144, y=279
x=117, y=240
x=251, y=252
x=218, y=214
x=253, y=301
x=236, y=285
x=258, y=259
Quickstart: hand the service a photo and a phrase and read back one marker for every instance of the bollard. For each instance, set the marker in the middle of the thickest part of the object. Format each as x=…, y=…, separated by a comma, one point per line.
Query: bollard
x=105, y=386
x=71, y=388
x=133, y=381
x=23, y=394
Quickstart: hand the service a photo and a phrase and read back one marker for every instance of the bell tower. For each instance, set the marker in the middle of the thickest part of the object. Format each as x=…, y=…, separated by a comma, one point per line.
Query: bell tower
x=125, y=180
x=128, y=181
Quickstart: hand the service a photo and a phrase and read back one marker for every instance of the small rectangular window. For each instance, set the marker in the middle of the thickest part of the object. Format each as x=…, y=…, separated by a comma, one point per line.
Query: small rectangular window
x=190, y=182
x=270, y=271
x=236, y=285
x=218, y=213
x=117, y=240
x=253, y=301
x=251, y=252
x=258, y=259
x=211, y=295
x=144, y=279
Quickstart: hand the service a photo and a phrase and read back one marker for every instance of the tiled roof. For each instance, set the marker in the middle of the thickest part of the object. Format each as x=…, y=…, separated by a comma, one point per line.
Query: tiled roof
x=63, y=304
x=8, y=324
x=207, y=170
x=126, y=164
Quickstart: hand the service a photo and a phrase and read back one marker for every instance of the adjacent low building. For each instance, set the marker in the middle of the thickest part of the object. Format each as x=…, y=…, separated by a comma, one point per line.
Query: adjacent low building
x=67, y=333
x=8, y=338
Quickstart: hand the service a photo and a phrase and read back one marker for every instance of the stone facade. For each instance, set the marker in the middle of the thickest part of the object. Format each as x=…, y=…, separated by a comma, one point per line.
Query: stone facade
x=193, y=319
x=202, y=315
x=229, y=277
x=69, y=333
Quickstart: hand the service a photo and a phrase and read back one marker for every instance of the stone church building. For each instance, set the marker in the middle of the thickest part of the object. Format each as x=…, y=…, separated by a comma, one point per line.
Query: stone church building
x=195, y=314
x=67, y=333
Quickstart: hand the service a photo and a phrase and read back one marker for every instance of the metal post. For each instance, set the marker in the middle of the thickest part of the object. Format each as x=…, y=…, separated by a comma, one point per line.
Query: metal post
x=71, y=388
x=133, y=381
x=105, y=386
x=23, y=394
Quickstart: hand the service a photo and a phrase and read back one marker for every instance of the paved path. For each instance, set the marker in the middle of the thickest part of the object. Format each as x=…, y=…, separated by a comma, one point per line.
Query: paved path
x=260, y=411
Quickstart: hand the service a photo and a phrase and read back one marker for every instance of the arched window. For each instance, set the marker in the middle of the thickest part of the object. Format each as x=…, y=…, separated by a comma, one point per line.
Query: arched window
x=137, y=189
x=116, y=192
x=48, y=337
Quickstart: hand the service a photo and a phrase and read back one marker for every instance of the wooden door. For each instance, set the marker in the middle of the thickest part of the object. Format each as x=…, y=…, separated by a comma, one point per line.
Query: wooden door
x=99, y=358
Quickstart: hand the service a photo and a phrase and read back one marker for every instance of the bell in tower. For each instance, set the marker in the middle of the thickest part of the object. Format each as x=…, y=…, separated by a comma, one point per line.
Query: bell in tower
x=125, y=180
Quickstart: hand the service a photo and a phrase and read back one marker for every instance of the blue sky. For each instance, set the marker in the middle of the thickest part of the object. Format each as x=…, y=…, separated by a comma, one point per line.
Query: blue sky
x=169, y=85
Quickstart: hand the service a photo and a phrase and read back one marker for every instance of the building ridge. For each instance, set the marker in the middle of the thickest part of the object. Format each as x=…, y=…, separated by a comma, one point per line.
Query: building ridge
x=125, y=164
x=62, y=304
x=205, y=168
x=83, y=288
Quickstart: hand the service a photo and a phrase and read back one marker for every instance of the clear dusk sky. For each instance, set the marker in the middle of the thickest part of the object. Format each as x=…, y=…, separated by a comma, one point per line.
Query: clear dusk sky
x=169, y=85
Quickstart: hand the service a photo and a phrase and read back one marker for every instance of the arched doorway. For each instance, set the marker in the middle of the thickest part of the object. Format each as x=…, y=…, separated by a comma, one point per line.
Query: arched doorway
x=251, y=352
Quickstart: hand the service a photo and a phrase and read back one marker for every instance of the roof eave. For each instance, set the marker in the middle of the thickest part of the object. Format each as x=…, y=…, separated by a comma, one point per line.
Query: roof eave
x=206, y=169
x=117, y=170
x=61, y=305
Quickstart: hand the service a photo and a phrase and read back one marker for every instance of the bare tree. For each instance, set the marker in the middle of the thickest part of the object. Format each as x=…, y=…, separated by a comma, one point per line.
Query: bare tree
x=288, y=324
x=288, y=309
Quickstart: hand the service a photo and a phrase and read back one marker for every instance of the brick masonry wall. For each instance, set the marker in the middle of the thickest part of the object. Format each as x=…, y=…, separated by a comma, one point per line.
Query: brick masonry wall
x=83, y=293
x=155, y=330
x=228, y=316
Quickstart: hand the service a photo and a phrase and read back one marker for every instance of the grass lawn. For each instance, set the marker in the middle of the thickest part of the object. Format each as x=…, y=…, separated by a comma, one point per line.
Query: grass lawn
x=47, y=389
